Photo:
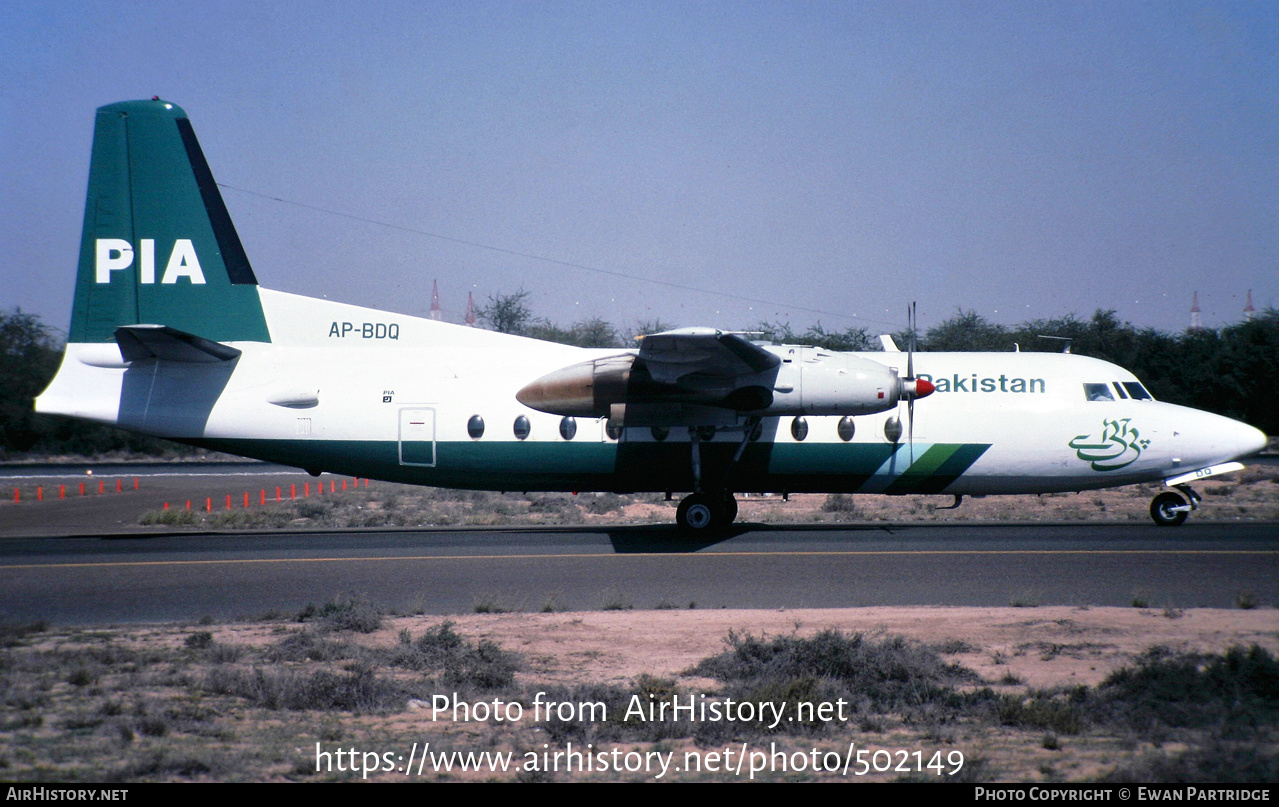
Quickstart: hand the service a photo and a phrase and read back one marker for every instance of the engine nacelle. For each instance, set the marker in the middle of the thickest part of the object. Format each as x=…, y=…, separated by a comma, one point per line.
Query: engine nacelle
x=807, y=381
x=581, y=390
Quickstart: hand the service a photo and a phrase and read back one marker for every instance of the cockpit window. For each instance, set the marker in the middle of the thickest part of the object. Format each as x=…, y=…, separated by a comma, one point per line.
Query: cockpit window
x=1119, y=388
x=1137, y=391
x=1098, y=392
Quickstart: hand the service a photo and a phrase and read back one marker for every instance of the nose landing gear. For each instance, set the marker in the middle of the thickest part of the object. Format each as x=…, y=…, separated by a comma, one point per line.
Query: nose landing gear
x=1170, y=509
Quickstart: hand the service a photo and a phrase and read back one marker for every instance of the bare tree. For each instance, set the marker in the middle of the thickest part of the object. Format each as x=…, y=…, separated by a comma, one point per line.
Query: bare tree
x=507, y=313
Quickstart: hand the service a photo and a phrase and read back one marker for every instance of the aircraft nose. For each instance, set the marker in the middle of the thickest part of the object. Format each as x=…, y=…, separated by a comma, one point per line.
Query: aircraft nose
x=1251, y=440
x=1208, y=439
x=1240, y=439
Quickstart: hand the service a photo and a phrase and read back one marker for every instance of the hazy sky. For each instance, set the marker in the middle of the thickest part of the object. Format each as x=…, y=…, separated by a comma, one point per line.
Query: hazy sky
x=830, y=161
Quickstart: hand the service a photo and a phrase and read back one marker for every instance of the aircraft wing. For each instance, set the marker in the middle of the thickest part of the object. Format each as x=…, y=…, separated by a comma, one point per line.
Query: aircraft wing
x=703, y=358
x=673, y=369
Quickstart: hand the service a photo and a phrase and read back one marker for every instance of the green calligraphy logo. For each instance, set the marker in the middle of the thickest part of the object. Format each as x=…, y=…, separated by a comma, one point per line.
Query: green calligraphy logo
x=1120, y=446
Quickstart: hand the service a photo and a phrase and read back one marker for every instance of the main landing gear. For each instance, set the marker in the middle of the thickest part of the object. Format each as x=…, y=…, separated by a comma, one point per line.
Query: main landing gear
x=1170, y=509
x=706, y=512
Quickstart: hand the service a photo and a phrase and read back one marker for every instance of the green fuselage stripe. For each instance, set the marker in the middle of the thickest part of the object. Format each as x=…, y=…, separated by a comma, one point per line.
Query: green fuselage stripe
x=940, y=465
x=647, y=466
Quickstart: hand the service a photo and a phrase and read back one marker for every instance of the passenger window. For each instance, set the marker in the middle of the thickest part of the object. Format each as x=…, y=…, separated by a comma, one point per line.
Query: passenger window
x=1137, y=391
x=522, y=427
x=799, y=429
x=846, y=428
x=1098, y=392
x=568, y=428
x=475, y=427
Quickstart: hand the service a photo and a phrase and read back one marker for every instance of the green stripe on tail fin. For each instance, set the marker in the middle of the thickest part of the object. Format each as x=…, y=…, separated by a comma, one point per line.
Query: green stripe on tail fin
x=158, y=246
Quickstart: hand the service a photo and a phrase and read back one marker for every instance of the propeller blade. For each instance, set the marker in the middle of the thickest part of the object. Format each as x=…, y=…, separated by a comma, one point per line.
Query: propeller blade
x=910, y=350
x=910, y=426
x=910, y=375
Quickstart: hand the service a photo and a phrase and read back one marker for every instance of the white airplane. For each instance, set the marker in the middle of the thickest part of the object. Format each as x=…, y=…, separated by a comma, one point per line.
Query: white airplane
x=172, y=336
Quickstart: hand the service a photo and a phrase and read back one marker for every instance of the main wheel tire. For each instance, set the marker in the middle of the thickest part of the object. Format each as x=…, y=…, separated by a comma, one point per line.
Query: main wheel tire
x=700, y=513
x=730, y=509
x=1164, y=510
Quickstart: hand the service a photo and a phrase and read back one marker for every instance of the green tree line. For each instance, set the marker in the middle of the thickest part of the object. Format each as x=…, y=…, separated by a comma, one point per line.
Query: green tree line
x=1233, y=371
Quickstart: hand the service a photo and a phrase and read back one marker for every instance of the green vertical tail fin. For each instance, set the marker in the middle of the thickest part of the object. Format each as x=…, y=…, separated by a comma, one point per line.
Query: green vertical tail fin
x=158, y=245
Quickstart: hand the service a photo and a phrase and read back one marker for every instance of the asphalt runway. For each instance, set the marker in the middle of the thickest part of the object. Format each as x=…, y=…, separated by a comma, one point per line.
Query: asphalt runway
x=95, y=580
x=84, y=560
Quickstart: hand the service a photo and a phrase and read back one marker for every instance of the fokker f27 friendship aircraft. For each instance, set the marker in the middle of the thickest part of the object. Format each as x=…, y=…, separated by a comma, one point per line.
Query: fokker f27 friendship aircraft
x=172, y=336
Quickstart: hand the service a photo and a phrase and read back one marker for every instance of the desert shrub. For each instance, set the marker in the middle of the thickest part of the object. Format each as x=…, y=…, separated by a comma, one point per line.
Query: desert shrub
x=455, y=660
x=881, y=674
x=600, y=714
x=839, y=503
x=199, y=640
x=1234, y=691
x=346, y=613
x=1218, y=761
x=308, y=645
x=170, y=518
x=1060, y=711
x=16, y=634
x=889, y=671
x=360, y=691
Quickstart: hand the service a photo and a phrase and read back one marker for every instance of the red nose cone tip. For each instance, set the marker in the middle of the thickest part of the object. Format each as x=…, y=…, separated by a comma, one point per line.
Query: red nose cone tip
x=923, y=388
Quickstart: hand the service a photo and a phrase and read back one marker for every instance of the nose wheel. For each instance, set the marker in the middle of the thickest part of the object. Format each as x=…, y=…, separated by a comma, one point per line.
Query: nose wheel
x=704, y=513
x=1170, y=510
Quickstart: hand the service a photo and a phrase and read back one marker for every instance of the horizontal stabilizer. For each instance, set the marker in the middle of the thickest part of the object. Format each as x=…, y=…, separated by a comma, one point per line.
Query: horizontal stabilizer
x=139, y=342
